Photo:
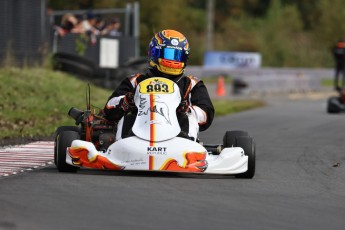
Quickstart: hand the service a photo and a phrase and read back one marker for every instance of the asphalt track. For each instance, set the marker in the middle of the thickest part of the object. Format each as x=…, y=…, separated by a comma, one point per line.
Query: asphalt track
x=299, y=184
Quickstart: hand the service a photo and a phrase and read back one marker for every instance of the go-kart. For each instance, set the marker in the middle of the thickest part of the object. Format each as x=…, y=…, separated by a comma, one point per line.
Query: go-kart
x=337, y=104
x=154, y=142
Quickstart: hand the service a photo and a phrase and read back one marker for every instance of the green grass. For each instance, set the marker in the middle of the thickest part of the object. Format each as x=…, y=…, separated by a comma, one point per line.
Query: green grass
x=35, y=101
x=224, y=107
x=214, y=79
x=327, y=82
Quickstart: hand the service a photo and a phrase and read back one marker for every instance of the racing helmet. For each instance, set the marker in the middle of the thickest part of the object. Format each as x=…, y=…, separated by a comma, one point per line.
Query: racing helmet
x=168, y=52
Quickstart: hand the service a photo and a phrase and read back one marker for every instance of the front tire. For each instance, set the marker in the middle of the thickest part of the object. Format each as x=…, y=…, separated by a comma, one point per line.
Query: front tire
x=64, y=140
x=242, y=139
x=248, y=145
x=229, y=139
x=331, y=105
x=56, y=134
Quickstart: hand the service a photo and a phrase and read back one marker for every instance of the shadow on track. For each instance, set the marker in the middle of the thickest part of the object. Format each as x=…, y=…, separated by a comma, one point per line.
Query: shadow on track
x=96, y=172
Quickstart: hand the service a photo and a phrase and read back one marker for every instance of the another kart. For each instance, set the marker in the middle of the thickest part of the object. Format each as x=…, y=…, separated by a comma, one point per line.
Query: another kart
x=154, y=142
x=337, y=104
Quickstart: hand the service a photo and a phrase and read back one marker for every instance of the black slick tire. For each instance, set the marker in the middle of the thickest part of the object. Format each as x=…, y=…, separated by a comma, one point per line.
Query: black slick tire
x=229, y=139
x=64, y=140
x=58, y=131
x=248, y=145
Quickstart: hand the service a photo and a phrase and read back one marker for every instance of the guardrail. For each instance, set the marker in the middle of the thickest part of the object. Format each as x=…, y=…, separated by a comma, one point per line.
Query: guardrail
x=268, y=80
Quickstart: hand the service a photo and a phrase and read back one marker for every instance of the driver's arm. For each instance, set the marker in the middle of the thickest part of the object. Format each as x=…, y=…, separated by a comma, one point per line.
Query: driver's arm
x=113, y=110
x=202, y=105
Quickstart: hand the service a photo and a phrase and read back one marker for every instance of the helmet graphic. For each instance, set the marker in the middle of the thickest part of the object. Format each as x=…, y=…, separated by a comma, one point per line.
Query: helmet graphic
x=168, y=52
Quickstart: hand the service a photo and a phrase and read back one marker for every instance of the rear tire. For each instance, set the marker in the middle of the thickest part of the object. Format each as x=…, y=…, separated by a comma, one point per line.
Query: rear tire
x=64, y=140
x=58, y=131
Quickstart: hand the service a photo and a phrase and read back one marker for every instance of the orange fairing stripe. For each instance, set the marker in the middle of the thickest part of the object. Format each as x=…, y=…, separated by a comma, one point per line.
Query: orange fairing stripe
x=151, y=162
x=79, y=157
x=152, y=118
x=194, y=162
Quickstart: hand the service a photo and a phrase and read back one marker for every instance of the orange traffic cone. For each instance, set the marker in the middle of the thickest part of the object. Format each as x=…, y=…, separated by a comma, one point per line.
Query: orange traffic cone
x=221, y=87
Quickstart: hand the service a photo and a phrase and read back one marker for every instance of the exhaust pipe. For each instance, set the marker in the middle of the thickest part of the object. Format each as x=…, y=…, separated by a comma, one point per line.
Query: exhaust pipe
x=76, y=114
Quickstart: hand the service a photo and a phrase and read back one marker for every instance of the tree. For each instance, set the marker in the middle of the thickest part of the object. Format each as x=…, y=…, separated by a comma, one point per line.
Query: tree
x=285, y=32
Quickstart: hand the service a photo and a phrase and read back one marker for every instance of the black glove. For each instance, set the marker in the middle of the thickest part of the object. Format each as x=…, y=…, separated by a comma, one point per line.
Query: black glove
x=183, y=107
x=127, y=102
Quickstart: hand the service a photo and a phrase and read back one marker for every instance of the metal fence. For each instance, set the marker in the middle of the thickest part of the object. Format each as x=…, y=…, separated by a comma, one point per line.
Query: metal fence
x=91, y=52
x=24, y=37
x=128, y=43
x=27, y=34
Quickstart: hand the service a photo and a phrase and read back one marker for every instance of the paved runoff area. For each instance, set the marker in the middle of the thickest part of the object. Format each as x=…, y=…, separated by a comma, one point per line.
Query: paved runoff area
x=23, y=158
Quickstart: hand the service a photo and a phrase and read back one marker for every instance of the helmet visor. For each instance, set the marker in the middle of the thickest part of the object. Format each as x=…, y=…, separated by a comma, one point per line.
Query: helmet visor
x=174, y=55
x=169, y=54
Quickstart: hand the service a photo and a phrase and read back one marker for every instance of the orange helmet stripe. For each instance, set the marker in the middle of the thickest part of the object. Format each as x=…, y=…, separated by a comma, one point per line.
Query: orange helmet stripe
x=173, y=34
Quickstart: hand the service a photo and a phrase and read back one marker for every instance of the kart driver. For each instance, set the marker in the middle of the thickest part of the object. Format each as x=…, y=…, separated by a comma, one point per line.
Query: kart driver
x=167, y=56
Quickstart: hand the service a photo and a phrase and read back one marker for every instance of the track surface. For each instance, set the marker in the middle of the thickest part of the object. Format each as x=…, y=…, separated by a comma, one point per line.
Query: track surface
x=299, y=184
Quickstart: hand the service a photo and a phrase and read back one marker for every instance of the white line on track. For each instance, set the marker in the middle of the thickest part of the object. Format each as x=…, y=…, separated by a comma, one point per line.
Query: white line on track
x=17, y=159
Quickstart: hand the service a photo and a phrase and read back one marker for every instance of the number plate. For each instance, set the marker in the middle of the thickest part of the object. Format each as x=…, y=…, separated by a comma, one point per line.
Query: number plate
x=156, y=85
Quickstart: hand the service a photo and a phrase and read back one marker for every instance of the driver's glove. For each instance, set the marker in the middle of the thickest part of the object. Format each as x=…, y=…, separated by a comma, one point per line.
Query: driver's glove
x=183, y=107
x=127, y=102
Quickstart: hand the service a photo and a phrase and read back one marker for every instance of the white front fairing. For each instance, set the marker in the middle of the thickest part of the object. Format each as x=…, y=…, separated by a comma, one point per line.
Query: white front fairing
x=157, y=100
x=133, y=153
x=137, y=154
x=174, y=155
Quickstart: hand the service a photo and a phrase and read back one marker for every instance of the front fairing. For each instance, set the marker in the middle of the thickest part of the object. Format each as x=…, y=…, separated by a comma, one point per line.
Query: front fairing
x=174, y=155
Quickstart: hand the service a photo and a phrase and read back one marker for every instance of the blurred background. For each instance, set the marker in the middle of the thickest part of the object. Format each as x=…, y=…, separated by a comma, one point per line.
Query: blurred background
x=287, y=33
x=294, y=33
x=109, y=38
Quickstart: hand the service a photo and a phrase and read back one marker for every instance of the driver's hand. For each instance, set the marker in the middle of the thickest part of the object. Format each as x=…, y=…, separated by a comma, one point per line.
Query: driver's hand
x=127, y=102
x=183, y=107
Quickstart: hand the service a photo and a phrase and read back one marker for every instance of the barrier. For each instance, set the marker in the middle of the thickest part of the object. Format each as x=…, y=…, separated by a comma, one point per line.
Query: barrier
x=268, y=80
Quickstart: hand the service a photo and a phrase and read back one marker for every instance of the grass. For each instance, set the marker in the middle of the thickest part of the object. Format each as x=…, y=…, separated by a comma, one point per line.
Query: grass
x=327, y=82
x=215, y=79
x=225, y=107
x=35, y=101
